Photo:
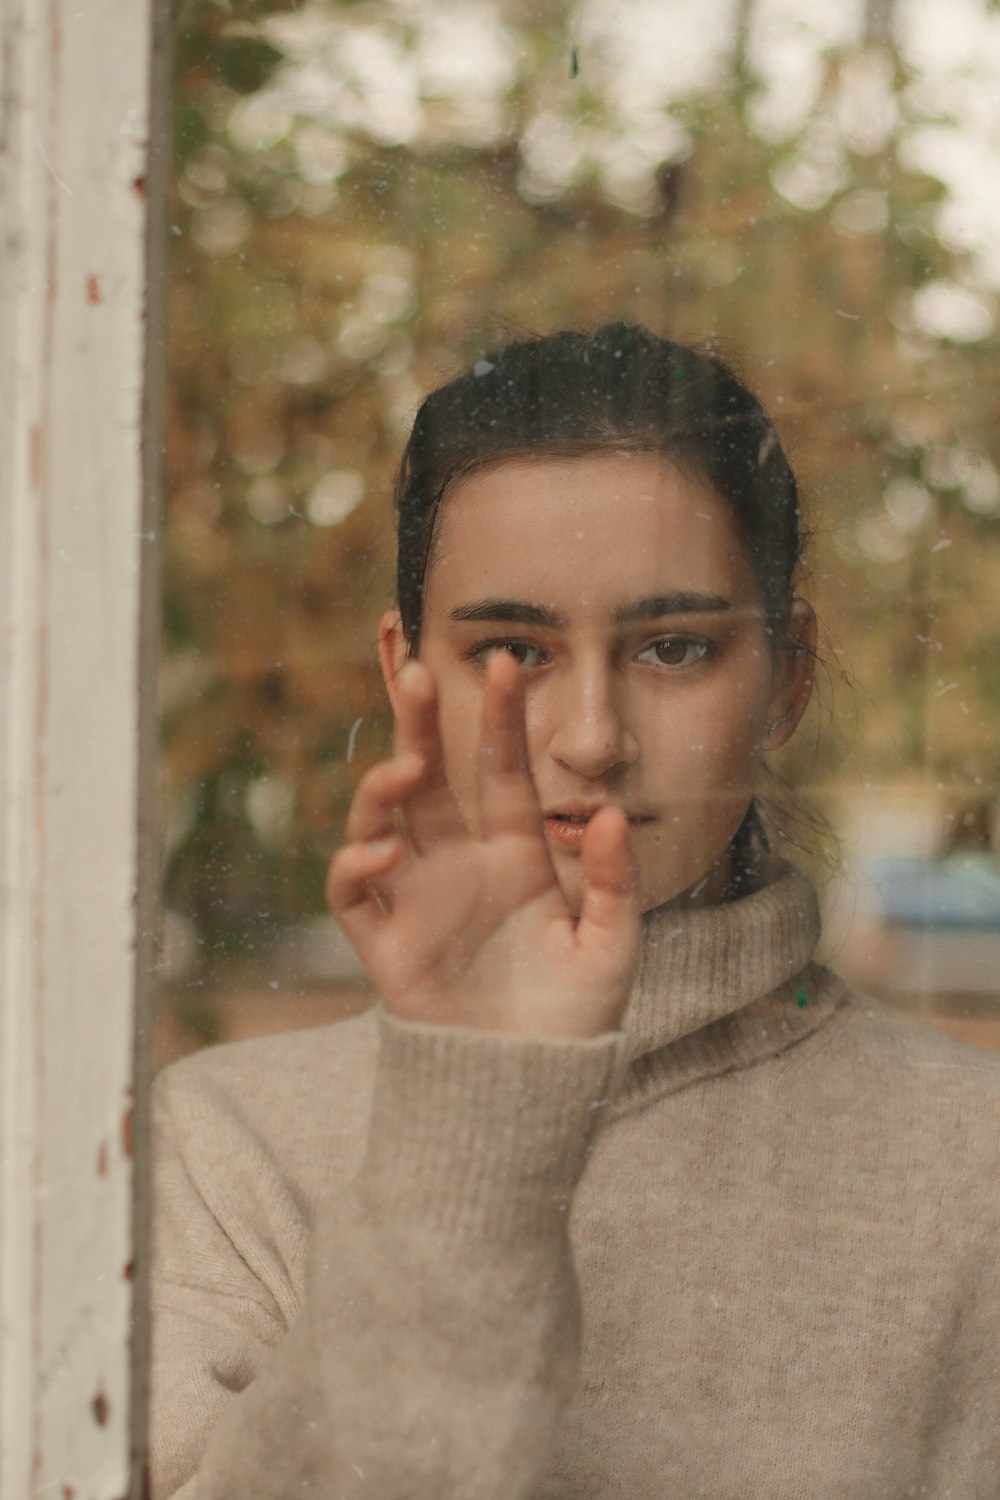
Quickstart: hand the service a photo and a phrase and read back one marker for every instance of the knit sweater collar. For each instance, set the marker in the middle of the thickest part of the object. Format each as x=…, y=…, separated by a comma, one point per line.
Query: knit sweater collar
x=720, y=987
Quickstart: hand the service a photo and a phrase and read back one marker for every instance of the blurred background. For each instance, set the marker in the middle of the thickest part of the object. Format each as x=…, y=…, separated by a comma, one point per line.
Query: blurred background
x=365, y=196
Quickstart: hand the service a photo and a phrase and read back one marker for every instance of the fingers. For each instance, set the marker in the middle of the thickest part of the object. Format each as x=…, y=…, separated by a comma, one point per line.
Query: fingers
x=609, y=914
x=432, y=814
x=352, y=888
x=354, y=869
x=508, y=802
x=361, y=874
x=380, y=792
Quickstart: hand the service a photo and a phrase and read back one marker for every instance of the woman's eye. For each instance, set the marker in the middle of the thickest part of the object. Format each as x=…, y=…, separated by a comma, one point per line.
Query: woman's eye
x=675, y=651
x=522, y=652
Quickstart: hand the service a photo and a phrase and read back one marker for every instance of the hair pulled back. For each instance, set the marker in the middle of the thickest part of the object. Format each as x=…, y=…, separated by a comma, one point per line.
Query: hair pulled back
x=620, y=389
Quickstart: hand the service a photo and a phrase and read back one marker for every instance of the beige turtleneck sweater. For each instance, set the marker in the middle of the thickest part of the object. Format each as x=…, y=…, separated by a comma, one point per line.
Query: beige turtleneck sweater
x=747, y=1249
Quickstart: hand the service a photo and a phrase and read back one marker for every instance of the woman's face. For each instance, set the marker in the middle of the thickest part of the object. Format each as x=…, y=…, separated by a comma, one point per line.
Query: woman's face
x=621, y=587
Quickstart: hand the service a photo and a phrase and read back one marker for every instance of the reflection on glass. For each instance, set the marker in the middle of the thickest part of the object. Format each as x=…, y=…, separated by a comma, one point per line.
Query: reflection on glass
x=617, y=1191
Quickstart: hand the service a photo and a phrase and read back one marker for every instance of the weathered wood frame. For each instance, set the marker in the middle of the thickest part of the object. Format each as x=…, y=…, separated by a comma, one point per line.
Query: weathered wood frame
x=83, y=96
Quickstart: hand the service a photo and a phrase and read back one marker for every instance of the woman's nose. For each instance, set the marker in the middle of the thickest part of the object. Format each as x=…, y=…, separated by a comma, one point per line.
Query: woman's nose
x=591, y=735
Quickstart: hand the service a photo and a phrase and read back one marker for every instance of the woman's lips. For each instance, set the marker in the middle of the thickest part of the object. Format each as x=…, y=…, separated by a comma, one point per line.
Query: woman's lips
x=567, y=829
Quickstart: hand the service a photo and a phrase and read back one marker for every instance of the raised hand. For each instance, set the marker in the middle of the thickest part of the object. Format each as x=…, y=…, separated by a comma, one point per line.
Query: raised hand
x=467, y=925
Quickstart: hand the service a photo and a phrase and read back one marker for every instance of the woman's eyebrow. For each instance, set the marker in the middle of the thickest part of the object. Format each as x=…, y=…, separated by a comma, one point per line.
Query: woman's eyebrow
x=680, y=602
x=655, y=607
x=511, y=611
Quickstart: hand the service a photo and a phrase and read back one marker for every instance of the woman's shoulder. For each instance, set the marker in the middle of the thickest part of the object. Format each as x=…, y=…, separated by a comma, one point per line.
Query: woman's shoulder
x=264, y=1069
x=901, y=1092
x=877, y=1108
x=300, y=1098
x=887, y=1041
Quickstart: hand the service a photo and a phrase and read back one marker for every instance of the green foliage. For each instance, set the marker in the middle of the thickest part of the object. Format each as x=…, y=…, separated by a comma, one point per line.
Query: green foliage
x=191, y=130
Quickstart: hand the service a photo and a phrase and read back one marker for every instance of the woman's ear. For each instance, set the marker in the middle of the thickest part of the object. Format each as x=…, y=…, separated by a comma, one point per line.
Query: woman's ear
x=794, y=677
x=392, y=651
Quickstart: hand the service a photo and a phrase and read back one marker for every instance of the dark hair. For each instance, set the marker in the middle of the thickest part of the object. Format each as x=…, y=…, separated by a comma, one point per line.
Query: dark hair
x=620, y=389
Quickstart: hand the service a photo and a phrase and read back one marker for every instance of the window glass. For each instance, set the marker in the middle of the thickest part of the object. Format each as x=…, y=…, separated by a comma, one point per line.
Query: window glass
x=366, y=197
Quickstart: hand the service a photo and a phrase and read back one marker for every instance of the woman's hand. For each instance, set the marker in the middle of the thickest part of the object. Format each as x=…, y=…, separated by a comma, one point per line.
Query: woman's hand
x=470, y=928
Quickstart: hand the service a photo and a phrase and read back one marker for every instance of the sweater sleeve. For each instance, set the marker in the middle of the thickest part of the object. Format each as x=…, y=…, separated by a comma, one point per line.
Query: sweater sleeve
x=436, y=1344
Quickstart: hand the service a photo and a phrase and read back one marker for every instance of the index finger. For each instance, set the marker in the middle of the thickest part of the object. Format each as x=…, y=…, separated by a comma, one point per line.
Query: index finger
x=432, y=812
x=508, y=801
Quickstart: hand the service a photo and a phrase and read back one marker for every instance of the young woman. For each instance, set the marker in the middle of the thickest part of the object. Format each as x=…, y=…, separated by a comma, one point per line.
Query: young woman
x=616, y=1193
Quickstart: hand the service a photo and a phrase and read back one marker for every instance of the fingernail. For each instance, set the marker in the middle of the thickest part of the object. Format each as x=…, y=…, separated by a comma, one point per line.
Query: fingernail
x=412, y=675
x=380, y=848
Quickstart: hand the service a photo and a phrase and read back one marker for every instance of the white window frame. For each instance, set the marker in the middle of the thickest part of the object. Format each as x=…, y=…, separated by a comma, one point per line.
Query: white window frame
x=83, y=90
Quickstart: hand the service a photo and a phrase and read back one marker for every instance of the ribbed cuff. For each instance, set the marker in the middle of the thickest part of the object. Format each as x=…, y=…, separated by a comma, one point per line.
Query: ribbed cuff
x=476, y=1133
